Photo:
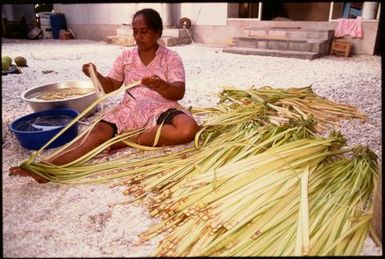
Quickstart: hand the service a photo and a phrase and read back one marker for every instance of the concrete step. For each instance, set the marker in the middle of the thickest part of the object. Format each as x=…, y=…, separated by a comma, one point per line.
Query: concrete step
x=174, y=41
x=121, y=40
x=290, y=32
x=283, y=43
x=130, y=41
x=124, y=30
x=272, y=52
x=170, y=37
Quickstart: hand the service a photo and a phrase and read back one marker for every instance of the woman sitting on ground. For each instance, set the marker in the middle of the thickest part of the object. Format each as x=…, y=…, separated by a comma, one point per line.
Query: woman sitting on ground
x=155, y=100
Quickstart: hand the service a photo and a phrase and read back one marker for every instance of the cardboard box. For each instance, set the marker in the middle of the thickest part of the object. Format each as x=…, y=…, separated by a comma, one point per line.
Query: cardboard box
x=341, y=48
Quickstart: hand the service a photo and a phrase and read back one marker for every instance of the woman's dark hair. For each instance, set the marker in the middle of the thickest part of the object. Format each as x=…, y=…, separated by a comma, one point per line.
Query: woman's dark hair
x=153, y=19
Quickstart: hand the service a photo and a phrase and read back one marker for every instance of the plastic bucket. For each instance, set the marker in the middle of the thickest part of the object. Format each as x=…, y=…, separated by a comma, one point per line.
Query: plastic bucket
x=45, y=24
x=35, y=139
x=47, y=32
x=45, y=19
x=58, y=22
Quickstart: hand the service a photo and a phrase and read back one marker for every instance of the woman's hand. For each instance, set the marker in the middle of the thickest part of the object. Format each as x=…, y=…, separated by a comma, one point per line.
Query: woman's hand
x=154, y=82
x=109, y=84
x=86, y=68
x=172, y=91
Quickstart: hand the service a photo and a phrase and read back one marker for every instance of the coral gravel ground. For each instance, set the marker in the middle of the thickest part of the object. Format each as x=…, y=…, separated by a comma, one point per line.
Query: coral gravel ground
x=51, y=220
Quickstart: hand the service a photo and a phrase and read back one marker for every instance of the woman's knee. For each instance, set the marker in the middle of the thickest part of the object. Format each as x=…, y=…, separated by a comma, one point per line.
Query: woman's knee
x=102, y=131
x=188, y=131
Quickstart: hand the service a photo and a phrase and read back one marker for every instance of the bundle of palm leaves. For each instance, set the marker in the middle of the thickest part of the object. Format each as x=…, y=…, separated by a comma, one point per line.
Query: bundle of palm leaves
x=260, y=179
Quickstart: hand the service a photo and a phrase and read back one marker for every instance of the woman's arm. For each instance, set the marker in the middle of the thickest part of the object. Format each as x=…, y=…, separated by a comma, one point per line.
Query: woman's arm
x=169, y=90
x=174, y=87
x=109, y=84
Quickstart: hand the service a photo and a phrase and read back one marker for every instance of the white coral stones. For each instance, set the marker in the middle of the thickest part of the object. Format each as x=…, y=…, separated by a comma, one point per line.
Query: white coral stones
x=41, y=216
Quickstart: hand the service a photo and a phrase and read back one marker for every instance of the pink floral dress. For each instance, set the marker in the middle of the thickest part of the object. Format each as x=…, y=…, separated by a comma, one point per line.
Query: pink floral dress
x=144, y=110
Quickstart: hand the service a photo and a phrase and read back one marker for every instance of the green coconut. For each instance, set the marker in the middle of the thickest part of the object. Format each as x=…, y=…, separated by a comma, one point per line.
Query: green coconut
x=21, y=61
x=5, y=64
x=7, y=59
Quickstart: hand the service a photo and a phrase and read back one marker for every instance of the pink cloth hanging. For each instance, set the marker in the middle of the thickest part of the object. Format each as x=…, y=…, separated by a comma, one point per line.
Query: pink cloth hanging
x=352, y=27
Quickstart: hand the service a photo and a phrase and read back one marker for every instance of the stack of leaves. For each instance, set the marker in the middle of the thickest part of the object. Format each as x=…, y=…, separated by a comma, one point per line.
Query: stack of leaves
x=240, y=142
x=259, y=180
x=259, y=106
x=281, y=105
x=299, y=198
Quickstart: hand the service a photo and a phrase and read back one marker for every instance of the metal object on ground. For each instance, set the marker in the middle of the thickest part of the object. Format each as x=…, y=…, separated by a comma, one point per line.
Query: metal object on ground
x=34, y=33
x=77, y=102
x=184, y=22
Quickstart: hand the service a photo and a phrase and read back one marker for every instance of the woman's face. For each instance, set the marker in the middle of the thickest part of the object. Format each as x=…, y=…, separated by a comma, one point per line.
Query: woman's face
x=145, y=37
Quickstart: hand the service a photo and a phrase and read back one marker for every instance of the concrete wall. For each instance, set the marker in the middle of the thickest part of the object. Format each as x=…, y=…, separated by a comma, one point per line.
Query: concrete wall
x=96, y=13
x=221, y=35
x=210, y=24
x=198, y=13
x=95, y=21
x=205, y=13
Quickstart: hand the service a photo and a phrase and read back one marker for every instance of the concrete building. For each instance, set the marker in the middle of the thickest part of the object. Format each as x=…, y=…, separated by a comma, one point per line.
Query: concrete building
x=217, y=24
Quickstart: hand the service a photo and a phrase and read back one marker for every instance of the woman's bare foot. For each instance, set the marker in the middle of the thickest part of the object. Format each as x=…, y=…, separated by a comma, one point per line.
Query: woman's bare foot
x=22, y=172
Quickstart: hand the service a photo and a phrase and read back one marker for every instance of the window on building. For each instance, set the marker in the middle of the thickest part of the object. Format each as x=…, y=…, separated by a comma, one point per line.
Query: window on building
x=351, y=10
x=246, y=10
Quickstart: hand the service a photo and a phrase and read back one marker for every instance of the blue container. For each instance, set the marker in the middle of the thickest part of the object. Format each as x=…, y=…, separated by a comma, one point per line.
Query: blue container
x=58, y=22
x=34, y=130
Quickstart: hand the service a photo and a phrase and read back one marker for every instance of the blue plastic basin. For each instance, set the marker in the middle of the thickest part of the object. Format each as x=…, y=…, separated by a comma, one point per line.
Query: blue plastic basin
x=34, y=136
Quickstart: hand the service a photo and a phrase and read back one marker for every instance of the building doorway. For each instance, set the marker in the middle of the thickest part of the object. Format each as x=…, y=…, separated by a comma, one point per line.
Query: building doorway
x=280, y=11
x=304, y=11
x=248, y=10
x=274, y=10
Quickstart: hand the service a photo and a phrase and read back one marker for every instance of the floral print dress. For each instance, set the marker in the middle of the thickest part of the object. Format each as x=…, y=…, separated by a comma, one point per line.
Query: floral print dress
x=146, y=106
